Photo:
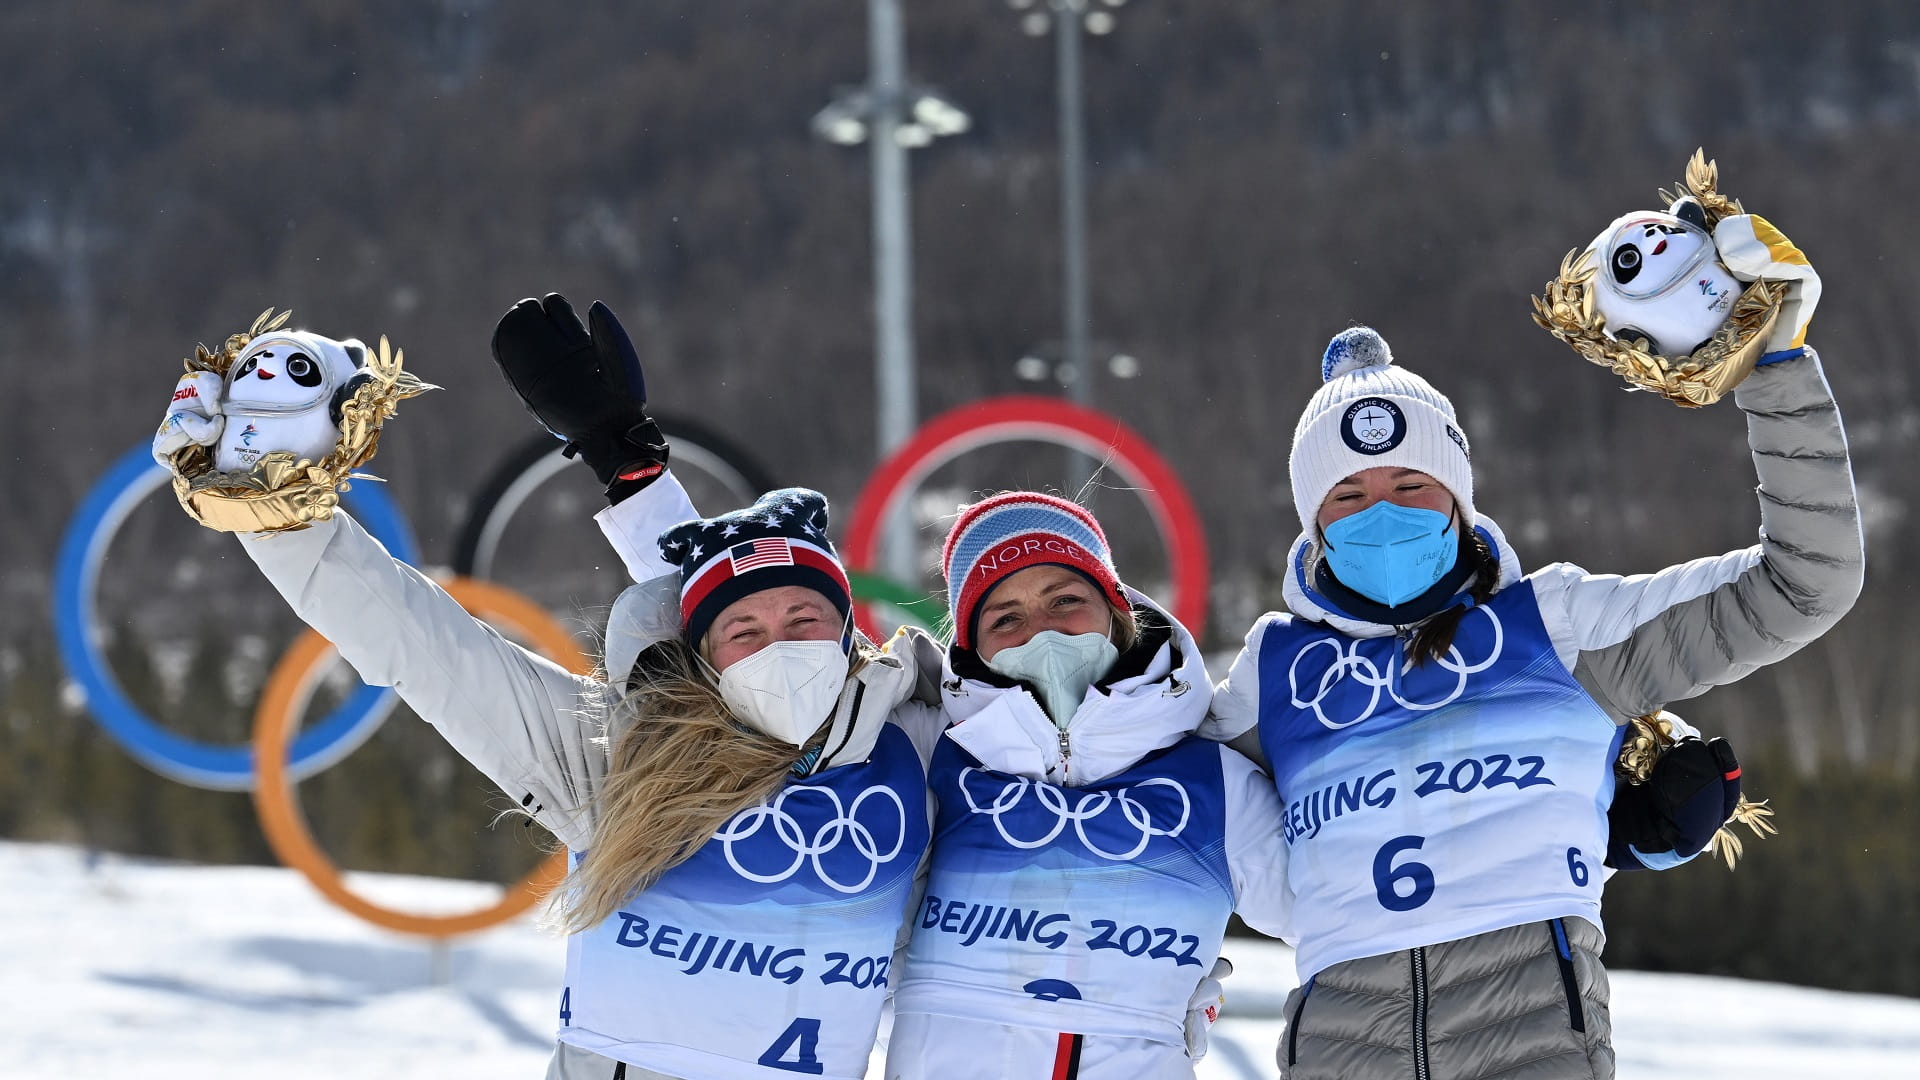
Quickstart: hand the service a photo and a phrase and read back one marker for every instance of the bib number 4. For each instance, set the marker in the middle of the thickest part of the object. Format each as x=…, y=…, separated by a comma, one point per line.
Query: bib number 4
x=797, y=1049
x=1404, y=886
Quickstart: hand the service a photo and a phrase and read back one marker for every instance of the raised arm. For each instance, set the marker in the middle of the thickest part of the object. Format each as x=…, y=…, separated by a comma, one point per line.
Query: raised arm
x=521, y=719
x=1644, y=641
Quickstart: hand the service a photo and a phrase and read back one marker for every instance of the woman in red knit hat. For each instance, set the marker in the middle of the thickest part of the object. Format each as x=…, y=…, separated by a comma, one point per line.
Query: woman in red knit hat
x=1088, y=846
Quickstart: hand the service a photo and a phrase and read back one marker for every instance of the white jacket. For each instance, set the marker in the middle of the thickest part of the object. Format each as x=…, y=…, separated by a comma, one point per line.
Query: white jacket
x=1133, y=927
x=1159, y=701
x=540, y=733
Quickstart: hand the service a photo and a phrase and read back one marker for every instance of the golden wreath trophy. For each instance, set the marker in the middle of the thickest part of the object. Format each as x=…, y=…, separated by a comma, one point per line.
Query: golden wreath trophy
x=1686, y=301
x=264, y=434
x=1647, y=739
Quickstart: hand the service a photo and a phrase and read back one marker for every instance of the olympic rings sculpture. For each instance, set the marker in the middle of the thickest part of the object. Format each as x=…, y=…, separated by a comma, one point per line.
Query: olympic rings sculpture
x=787, y=828
x=281, y=702
x=276, y=758
x=538, y=459
x=1018, y=418
x=77, y=631
x=1090, y=806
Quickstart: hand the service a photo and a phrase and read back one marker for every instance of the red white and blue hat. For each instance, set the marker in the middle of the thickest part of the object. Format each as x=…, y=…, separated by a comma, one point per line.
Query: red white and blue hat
x=780, y=540
x=1000, y=536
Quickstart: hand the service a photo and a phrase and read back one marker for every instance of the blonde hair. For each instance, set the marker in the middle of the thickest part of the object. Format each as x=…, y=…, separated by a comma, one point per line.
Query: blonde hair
x=679, y=767
x=1126, y=629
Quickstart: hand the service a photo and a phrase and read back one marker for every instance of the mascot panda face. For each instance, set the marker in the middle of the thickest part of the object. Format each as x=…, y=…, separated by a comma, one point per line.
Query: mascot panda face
x=1649, y=254
x=290, y=372
x=1659, y=277
x=284, y=392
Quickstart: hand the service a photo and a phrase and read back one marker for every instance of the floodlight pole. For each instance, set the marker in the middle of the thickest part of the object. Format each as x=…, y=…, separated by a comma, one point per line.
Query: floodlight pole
x=1073, y=201
x=894, y=390
x=892, y=231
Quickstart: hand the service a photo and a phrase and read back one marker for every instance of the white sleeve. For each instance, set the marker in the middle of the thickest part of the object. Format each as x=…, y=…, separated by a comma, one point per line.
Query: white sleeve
x=1257, y=847
x=1236, y=701
x=521, y=719
x=634, y=524
x=923, y=721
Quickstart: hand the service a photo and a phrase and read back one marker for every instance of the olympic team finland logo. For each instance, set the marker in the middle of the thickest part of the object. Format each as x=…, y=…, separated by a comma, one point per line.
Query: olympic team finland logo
x=1349, y=688
x=1097, y=816
x=1373, y=425
x=769, y=843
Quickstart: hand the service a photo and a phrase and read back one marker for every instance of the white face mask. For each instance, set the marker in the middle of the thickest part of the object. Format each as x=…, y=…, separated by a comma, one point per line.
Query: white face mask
x=1060, y=667
x=787, y=689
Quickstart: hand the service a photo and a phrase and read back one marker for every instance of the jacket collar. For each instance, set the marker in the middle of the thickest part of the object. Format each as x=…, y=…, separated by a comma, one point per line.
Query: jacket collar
x=1309, y=603
x=866, y=703
x=1159, y=697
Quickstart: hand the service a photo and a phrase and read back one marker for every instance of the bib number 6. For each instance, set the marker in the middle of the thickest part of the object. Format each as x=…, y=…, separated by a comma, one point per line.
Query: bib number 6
x=1389, y=880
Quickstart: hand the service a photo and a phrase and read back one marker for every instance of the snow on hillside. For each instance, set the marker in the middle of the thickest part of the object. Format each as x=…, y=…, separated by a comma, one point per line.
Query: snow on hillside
x=121, y=967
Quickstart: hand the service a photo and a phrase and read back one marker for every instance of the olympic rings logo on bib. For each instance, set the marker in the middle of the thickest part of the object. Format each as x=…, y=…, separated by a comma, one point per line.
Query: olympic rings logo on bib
x=844, y=829
x=1089, y=807
x=1348, y=662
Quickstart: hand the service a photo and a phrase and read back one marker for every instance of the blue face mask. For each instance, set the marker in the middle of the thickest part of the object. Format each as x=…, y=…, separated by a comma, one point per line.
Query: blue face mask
x=1391, y=554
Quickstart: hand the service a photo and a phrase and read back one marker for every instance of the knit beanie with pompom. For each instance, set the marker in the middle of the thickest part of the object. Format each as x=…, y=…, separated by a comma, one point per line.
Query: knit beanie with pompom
x=1371, y=413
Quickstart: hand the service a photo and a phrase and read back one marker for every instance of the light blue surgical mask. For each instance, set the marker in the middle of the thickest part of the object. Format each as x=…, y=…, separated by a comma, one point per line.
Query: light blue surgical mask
x=1060, y=667
x=1390, y=553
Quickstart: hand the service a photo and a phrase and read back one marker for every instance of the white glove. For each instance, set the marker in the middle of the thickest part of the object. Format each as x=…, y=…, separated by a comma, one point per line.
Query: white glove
x=193, y=416
x=1752, y=248
x=1203, y=1008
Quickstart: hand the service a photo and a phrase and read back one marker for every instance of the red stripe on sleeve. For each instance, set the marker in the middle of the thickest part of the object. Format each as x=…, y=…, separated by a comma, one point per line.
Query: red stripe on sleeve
x=1066, y=1059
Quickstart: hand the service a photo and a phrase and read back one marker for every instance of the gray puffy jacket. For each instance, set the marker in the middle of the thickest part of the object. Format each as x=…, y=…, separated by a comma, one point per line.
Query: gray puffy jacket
x=1530, y=1001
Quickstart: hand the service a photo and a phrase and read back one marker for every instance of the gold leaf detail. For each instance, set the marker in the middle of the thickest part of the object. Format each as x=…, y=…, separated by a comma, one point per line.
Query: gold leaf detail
x=281, y=493
x=1568, y=312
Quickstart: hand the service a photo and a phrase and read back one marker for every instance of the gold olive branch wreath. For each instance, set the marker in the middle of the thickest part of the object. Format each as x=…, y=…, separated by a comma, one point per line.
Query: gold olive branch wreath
x=1650, y=736
x=1567, y=312
x=280, y=493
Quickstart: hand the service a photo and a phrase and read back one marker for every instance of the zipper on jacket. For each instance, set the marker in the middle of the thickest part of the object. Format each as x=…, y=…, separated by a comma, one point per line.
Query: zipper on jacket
x=1064, y=752
x=620, y=1071
x=1420, y=1014
x=1569, y=979
x=1293, y=1029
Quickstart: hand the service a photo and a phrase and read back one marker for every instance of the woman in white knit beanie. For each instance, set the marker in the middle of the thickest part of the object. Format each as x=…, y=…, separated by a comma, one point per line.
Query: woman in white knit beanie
x=1442, y=728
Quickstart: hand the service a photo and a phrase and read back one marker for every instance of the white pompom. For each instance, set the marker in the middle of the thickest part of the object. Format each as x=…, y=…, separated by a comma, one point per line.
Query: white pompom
x=1352, y=349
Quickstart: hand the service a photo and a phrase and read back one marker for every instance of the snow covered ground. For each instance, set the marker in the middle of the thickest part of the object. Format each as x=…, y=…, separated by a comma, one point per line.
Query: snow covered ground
x=121, y=967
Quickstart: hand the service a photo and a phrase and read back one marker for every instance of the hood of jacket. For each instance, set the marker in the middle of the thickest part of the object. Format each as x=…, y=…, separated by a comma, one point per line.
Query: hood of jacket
x=866, y=703
x=1306, y=602
x=1156, y=695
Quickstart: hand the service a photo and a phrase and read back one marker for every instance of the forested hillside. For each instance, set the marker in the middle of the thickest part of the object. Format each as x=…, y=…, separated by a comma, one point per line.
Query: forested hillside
x=1262, y=175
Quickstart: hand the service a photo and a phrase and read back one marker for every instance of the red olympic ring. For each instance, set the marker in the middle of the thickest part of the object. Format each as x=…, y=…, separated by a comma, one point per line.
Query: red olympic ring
x=1028, y=417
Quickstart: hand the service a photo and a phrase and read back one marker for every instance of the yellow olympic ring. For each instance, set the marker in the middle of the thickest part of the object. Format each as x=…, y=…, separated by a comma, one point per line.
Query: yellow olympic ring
x=277, y=715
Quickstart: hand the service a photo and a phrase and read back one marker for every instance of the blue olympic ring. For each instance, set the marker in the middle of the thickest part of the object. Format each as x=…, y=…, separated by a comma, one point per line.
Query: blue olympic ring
x=207, y=765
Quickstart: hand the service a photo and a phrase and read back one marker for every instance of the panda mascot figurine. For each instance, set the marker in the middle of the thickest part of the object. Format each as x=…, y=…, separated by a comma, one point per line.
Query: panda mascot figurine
x=1685, y=301
x=1661, y=279
x=265, y=432
x=284, y=393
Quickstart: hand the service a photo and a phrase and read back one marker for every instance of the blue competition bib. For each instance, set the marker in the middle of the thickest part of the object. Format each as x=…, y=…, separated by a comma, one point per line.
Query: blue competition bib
x=1093, y=909
x=768, y=951
x=1430, y=803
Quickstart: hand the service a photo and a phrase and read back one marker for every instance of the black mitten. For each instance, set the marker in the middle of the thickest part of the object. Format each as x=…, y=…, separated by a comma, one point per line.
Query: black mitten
x=1690, y=793
x=586, y=388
